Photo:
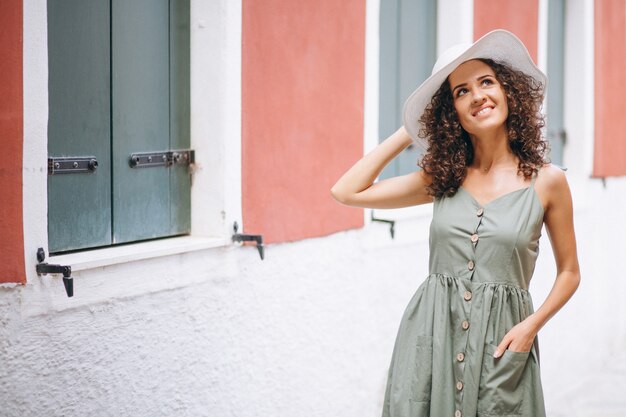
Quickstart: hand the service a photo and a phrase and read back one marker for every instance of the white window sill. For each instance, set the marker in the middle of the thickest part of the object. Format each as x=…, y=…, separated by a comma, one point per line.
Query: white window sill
x=406, y=213
x=97, y=258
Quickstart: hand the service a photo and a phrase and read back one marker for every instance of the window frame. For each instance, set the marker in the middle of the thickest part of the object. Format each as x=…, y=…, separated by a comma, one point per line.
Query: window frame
x=401, y=71
x=555, y=70
x=452, y=27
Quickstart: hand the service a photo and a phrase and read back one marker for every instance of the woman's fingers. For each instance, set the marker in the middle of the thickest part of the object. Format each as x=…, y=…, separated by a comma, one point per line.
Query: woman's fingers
x=506, y=341
x=518, y=339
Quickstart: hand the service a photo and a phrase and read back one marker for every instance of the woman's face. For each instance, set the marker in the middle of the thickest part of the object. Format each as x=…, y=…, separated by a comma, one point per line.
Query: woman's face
x=479, y=99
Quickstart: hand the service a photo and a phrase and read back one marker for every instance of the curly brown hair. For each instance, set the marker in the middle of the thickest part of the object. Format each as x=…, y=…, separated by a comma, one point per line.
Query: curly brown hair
x=450, y=149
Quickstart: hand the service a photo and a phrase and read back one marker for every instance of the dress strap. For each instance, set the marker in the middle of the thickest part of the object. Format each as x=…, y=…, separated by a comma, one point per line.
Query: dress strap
x=534, y=178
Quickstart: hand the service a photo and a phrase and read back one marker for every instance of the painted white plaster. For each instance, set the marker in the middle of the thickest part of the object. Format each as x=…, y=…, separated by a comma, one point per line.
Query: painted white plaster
x=579, y=87
x=35, y=162
x=455, y=23
x=216, y=116
x=306, y=332
x=86, y=260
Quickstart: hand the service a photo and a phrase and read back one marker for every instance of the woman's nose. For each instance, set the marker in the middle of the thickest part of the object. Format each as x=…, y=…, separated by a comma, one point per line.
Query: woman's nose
x=477, y=96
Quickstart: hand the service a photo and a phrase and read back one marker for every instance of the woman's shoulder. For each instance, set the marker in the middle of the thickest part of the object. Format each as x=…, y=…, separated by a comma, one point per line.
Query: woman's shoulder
x=551, y=184
x=551, y=175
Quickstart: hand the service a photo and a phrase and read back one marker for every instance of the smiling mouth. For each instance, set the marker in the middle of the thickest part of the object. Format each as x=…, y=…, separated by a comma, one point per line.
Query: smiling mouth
x=484, y=111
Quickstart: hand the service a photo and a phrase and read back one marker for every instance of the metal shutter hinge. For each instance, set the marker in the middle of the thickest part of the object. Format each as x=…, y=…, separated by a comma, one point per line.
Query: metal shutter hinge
x=240, y=237
x=72, y=165
x=183, y=157
x=46, y=268
x=392, y=224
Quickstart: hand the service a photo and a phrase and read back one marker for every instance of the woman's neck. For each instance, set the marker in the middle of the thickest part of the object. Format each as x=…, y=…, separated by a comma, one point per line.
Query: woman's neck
x=492, y=150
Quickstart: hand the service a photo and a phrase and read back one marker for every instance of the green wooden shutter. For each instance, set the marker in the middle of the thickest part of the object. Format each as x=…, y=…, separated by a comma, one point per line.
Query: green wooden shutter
x=150, y=96
x=556, y=76
x=180, y=103
x=135, y=64
x=407, y=55
x=79, y=205
x=140, y=98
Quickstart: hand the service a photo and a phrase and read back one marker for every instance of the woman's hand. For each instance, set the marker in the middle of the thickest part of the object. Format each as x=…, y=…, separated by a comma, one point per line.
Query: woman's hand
x=519, y=339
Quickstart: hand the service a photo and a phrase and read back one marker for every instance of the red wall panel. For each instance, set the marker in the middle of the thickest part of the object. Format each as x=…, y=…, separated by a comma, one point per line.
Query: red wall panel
x=11, y=138
x=518, y=16
x=610, y=88
x=302, y=114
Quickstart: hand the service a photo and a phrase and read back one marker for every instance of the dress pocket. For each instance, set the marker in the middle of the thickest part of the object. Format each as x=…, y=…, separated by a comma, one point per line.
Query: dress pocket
x=502, y=383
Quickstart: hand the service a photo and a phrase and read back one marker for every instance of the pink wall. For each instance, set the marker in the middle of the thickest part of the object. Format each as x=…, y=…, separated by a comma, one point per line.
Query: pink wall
x=610, y=88
x=518, y=16
x=11, y=138
x=302, y=114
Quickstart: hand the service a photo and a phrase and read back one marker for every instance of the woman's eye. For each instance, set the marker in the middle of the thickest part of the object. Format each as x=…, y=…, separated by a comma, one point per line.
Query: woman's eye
x=487, y=81
x=461, y=91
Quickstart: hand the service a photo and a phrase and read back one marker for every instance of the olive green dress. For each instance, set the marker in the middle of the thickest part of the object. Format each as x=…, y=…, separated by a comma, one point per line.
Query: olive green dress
x=482, y=258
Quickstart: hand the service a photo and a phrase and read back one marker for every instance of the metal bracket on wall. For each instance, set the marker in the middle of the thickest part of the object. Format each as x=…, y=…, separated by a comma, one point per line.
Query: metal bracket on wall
x=392, y=224
x=240, y=237
x=46, y=268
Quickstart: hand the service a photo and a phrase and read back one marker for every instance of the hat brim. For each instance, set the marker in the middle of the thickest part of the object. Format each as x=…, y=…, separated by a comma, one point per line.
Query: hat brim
x=499, y=45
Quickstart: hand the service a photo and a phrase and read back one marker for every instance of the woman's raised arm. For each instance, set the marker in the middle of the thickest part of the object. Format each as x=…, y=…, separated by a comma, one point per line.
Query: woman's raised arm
x=357, y=188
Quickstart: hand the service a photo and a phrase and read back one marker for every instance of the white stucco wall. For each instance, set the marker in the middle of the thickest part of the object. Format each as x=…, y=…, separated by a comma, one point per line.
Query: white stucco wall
x=306, y=332
x=200, y=327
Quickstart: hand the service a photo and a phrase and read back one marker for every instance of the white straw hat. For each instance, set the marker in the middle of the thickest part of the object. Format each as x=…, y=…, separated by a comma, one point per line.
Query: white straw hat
x=498, y=45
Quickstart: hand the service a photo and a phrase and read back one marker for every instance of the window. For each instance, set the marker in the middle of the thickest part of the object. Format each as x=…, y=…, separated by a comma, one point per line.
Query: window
x=407, y=54
x=118, y=85
x=556, y=75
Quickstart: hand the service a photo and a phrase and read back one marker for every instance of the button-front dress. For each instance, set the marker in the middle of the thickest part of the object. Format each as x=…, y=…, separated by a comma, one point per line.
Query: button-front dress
x=482, y=258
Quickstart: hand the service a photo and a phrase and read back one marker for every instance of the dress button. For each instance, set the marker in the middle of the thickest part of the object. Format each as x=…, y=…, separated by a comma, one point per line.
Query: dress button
x=460, y=356
x=470, y=265
x=474, y=238
x=480, y=212
x=467, y=295
x=457, y=413
x=459, y=385
x=465, y=325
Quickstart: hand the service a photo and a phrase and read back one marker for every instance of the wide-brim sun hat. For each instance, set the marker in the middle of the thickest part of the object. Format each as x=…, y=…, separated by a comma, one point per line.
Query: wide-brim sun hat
x=499, y=45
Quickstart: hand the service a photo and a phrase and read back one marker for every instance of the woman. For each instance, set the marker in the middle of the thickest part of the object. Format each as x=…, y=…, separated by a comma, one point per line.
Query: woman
x=467, y=342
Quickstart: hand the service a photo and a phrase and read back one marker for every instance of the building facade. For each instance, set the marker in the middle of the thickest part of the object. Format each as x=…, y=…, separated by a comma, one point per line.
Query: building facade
x=276, y=99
